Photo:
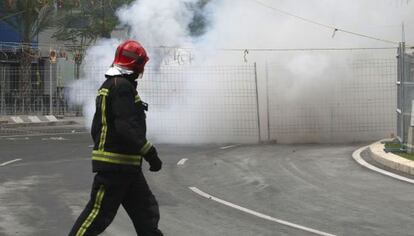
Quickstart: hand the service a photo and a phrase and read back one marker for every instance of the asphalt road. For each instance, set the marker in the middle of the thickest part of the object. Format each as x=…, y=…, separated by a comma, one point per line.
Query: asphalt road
x=317, y=187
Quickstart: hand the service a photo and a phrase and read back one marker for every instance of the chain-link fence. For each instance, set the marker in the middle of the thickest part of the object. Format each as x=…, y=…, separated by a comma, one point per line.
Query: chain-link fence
x=405, y=90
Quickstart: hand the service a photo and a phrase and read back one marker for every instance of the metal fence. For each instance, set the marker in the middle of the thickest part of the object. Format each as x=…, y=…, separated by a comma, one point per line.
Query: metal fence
x=189, y=103
x=303, y=96
x=46, y=94
x=332, y=96
x=405, y=98
x=202, y=104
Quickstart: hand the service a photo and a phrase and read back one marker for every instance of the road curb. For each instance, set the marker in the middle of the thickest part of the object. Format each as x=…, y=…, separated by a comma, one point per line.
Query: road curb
x=35, y=121
x=376, y=151
x=38, y=124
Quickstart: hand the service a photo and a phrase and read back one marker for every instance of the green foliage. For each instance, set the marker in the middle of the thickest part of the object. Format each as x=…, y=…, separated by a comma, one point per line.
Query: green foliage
x=84, y=21
x=399, y=149
x=27, y=17
x=395, y=144
x=199, y=24
x=406, y=155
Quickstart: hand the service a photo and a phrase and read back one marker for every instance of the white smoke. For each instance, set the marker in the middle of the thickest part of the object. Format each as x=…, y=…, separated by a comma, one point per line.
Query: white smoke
x=97, y=60
x=156, y=24
x=247, y=24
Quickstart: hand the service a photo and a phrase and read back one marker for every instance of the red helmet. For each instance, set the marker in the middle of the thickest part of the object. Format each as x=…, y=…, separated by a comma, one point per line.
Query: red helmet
x=130, y=55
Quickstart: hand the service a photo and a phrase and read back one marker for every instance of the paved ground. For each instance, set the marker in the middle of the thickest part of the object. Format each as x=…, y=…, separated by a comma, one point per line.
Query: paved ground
x=315, y=186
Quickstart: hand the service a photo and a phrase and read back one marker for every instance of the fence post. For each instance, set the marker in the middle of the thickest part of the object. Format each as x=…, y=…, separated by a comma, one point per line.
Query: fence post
x=267, y=101
x=3, y=90
x=257, y=104
x=410, y=141
x=50, y=90
x=403, y=102
x=400, y=93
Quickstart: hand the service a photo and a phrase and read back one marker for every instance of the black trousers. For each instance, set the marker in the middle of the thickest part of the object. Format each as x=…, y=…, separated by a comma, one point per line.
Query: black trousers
x=109, y=191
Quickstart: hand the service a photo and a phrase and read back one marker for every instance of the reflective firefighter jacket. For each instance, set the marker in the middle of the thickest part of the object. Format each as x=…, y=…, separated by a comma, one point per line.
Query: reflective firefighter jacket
x=119, y=128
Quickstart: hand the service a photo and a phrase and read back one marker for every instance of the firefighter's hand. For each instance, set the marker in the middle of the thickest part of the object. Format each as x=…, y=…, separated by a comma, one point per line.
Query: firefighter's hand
x=154, y=161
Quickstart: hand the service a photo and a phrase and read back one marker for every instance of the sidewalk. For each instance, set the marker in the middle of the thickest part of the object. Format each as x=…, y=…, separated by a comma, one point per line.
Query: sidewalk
x=11, y=126
x=38, y=121
x=393, y=161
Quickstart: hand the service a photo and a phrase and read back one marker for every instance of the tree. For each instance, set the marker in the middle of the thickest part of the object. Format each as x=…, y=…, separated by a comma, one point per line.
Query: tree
x=28, y=18
x=84, y=21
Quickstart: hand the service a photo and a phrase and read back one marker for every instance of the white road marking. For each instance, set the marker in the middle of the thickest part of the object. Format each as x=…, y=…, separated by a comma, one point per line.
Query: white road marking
x=9, y=162
x=17, y=119
x=13, y=139
x=37, y=135
x=55, y=138
x=51, y=118
x=182, y=161
x=52, y=162
x=357, y=157
x=230, y=146
x=257, y=214
x=34, y=119
x=91, y=146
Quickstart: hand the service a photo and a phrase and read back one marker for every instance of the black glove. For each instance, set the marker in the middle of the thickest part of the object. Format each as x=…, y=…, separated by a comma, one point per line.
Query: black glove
x=154, y=161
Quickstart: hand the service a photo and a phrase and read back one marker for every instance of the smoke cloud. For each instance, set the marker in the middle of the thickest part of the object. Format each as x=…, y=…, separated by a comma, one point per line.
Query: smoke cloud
x=200, y=28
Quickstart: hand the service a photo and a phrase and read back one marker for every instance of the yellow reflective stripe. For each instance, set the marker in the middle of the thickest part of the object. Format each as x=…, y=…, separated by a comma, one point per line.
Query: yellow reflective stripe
x=104, y=128
x=137, y=99
x=145, y=148
x=115, y=161
x=116, y=158
x=112, y=154
x=103, y=92
x=91, y=217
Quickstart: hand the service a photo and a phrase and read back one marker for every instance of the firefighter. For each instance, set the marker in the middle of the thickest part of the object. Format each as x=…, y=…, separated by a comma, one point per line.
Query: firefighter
x=119, y=135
